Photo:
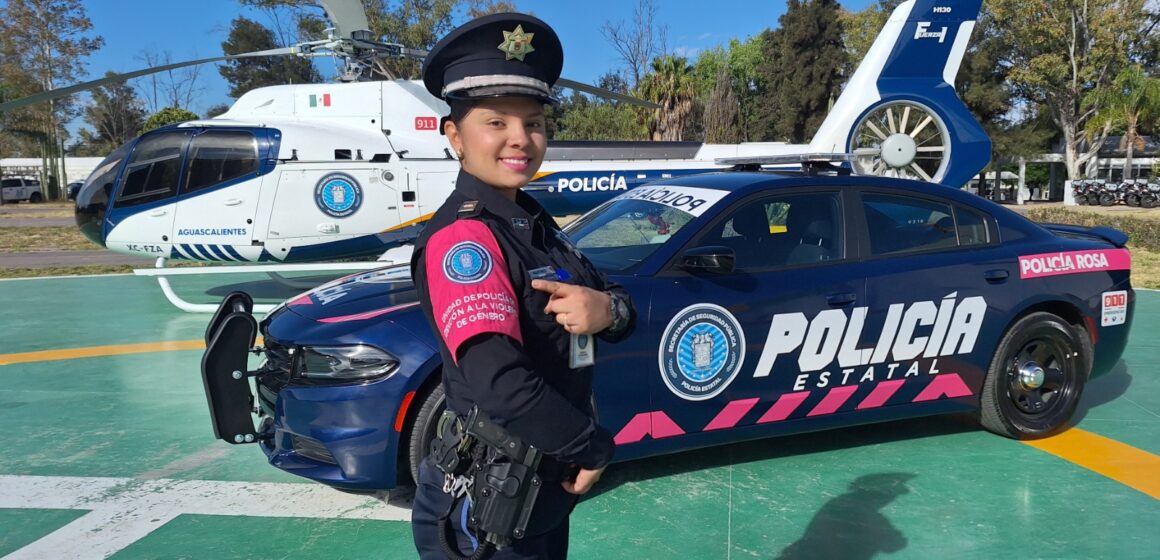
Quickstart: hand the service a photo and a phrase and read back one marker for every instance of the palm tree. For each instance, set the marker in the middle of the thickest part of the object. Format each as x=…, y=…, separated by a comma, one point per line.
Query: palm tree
x=671, y=86
x=1132, y=99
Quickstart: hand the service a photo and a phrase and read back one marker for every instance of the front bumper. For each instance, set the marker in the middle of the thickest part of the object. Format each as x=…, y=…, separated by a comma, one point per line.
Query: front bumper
x=342, y=435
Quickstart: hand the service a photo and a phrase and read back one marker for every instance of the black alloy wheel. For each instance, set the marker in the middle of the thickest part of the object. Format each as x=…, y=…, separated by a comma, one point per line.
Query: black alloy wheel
x=1036, y=378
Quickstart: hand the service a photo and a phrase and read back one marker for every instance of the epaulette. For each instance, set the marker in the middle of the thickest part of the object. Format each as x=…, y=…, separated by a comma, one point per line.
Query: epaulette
x=468, y=209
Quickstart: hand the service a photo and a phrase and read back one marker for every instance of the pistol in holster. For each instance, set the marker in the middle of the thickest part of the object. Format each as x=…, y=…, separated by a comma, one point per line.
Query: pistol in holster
x=497, y=469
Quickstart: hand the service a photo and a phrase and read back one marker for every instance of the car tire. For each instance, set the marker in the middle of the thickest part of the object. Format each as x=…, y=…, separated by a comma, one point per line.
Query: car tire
x=1036, y=378
x=424, y=427
x=35, y=198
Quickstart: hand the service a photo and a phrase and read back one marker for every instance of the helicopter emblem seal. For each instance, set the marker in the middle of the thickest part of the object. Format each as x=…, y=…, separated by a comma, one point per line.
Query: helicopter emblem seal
x=338, y=195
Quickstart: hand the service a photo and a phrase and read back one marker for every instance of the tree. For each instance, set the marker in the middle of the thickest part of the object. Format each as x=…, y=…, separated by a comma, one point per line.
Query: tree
x=216, y=110
x=1132, y=100
x=168, y=116
x=802, y=71
x=1066, y=50
x=722, y=112
x=177, y=87
x=44, y=44
x=861, y=29
x=739, y=61
x=670, y=84
x=115, y=115
x=637, y=42
x=480, y=8
x=245, y=74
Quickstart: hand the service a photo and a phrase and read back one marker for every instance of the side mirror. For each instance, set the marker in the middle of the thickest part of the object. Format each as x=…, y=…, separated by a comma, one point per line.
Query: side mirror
x=711, y=258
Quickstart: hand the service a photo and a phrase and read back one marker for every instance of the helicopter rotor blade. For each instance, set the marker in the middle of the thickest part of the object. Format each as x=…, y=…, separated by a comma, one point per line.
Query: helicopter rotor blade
x=599, y=92
x=76, y=88
x=347, y=17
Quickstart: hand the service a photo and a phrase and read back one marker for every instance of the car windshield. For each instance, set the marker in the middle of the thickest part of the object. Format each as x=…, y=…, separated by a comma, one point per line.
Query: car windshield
x=621, y=234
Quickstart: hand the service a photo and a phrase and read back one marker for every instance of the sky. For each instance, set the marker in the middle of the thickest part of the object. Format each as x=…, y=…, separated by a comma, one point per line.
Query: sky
x=190, y=30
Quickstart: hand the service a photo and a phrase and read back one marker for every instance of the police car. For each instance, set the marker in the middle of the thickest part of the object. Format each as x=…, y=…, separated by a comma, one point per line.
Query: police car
x=769, y=303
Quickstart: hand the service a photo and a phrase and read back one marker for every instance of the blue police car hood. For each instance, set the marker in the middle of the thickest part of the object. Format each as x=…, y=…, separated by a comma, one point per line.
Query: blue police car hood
x=358, y=297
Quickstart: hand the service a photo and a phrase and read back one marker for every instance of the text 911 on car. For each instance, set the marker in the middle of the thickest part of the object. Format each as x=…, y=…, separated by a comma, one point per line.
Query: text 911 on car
x=770, y=303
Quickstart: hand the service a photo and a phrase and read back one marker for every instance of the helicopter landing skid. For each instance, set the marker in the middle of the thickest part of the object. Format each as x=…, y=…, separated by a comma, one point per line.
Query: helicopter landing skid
x=162, y=274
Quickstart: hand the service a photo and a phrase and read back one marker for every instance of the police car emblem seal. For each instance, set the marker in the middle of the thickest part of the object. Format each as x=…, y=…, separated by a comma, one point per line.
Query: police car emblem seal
x=467, y=263
x=338, y=195
x=701, y=352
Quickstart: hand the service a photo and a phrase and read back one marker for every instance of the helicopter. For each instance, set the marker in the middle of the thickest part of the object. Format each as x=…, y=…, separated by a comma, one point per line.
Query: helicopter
x=320, y=172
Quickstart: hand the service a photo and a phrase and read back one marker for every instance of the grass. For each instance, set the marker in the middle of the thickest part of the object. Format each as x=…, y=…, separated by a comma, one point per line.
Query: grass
x=66, y=270
x=29, y=239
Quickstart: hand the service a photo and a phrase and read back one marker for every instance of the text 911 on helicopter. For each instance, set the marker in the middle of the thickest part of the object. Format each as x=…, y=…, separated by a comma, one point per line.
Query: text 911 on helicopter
x=318, y=172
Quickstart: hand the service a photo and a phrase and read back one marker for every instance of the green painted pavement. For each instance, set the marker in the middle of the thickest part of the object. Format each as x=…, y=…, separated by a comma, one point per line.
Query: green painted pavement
x=19, y=527
x=930, y=487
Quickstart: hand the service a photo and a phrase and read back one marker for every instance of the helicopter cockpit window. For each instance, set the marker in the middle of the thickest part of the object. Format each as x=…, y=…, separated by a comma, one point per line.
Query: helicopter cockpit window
x=220, y=156
x=154, y=169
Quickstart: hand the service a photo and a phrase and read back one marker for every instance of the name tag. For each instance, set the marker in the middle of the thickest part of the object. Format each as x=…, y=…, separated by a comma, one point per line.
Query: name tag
x=583, y=353
x=544, y=273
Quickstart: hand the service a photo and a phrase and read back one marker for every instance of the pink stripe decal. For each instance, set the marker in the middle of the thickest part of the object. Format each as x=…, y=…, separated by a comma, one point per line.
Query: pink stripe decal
x=881, y=393
x=1073, y=262
x=731, y=414
x=948, y=385
x=656, y=424
x=785, y=405
x=833, y=400
x=303, y=299
x=366, y=315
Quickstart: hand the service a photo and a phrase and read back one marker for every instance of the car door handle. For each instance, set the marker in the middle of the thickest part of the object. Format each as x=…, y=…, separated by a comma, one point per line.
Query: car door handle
x=158, y=213
x=233, y=202
x=996, y=276
x=840, y=299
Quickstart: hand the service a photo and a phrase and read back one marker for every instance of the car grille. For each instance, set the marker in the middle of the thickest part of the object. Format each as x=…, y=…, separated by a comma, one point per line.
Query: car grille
x=312, y=449
x=275, y=374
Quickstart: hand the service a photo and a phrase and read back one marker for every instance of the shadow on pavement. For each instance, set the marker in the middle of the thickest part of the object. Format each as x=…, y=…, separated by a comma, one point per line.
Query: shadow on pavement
x=1102, y=390
x=851, y=526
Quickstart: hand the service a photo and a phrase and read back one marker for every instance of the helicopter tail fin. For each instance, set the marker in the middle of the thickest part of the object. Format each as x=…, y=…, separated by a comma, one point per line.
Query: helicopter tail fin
x=899, y=111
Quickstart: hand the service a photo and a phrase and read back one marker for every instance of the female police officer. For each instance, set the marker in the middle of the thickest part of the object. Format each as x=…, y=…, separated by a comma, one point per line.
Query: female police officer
x=514, y=303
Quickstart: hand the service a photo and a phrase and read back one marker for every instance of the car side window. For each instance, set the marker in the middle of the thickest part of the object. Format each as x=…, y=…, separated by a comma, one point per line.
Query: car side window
x=782, y=231
x=154, y=169
x=220, y=156
x=900, y=224
x=972, y=227
x=10, y=183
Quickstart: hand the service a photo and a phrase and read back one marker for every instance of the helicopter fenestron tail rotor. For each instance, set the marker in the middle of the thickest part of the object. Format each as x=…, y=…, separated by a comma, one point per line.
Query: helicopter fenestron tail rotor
x=901, y=139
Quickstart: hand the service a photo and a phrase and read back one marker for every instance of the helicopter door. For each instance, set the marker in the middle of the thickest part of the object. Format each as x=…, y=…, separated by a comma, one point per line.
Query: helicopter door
x=330, y=212
x=219, y=197
x=433, y=189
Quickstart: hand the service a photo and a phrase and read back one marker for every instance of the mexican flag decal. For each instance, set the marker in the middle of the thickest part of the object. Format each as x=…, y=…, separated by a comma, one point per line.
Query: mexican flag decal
x=323, y=100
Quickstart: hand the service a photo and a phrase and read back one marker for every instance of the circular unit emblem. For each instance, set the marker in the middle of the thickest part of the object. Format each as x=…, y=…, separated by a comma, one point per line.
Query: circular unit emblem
x=338, y=195
x=467, y=263
x=702, y=350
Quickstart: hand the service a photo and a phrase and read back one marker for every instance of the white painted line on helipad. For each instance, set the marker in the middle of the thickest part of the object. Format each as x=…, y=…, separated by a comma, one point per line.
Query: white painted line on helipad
x=124, y=510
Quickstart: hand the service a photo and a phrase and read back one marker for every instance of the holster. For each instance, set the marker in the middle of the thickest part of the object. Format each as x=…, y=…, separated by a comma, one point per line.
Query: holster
x=502, y=469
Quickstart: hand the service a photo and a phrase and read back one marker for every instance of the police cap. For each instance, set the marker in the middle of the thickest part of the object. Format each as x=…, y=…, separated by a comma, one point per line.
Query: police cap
x=494, y=56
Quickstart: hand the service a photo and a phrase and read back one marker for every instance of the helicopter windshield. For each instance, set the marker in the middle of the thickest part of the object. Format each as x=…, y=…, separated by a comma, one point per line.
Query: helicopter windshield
x=620, y=235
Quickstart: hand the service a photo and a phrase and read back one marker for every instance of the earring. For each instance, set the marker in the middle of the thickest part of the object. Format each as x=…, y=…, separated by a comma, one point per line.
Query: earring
x=460, y=154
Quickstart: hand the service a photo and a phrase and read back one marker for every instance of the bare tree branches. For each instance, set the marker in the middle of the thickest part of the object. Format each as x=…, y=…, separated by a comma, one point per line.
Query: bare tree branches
x=637, y=42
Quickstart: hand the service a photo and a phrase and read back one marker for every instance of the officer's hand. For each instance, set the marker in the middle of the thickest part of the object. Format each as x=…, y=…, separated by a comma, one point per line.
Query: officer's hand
x=585, y=480
x=579, y=309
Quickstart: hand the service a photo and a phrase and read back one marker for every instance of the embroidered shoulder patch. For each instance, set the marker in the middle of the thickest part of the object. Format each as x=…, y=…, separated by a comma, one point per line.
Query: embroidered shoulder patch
x=467, y=263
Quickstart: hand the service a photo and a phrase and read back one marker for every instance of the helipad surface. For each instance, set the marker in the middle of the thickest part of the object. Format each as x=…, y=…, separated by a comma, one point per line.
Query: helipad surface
x=108, y=452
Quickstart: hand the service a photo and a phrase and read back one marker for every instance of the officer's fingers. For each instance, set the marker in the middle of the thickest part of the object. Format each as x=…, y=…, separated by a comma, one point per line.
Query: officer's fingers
x=548, y=286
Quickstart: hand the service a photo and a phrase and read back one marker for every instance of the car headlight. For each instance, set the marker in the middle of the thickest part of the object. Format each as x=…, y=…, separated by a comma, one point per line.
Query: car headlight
x=345, y=363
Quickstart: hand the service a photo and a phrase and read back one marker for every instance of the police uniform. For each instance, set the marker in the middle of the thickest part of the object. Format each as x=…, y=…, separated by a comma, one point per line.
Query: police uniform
x=473, y=267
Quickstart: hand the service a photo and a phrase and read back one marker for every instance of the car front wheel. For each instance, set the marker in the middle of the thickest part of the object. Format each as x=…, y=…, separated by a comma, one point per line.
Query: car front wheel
x=424, y=428
x=1036, y=378
x=35, y=198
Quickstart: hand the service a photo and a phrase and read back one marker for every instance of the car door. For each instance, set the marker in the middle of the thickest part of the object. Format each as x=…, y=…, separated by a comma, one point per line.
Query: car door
x=729, y=346
x=937, y=282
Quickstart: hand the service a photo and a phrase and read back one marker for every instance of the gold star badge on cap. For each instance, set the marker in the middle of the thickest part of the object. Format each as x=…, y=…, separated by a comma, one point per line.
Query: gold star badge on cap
x=516, y=44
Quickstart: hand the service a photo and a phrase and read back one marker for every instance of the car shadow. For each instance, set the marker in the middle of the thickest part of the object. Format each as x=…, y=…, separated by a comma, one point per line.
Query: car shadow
x=852, y=526
x=786, y=446
x=1102, y=390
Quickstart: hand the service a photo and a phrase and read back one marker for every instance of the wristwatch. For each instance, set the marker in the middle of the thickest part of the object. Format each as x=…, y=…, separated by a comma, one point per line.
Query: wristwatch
x=618, y=307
